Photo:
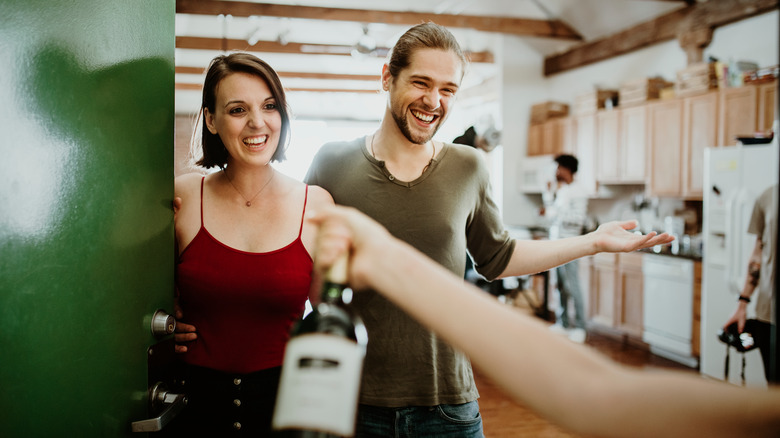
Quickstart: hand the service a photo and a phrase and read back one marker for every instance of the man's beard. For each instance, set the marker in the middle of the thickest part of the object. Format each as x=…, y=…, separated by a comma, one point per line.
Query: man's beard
x=406, y=130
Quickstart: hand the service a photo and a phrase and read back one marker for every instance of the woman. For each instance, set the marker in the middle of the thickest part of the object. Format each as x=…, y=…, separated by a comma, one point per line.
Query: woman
x=532, y=364
x=244, y=268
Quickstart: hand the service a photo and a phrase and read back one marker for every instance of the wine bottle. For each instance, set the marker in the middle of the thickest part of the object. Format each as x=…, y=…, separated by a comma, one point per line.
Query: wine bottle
x=323, y=362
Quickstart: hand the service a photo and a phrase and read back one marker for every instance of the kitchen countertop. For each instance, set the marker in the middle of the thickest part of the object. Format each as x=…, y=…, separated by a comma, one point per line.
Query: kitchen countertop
x=666, y=250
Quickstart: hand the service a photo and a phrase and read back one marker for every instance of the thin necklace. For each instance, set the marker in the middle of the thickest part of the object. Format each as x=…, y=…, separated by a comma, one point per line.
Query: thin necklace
x=249, y=201
x=424, y=168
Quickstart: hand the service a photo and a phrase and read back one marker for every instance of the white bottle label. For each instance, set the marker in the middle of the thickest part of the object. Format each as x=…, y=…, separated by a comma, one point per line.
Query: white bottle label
x=319, y=384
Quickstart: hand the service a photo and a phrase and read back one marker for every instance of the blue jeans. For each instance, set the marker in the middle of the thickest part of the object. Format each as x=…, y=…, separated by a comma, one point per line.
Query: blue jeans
x=569, y=287
x=461, y=421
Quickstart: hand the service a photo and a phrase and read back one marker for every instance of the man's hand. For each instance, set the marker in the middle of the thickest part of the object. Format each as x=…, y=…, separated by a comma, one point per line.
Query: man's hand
x=615, y=237
x=184, y=332
x=739, y=316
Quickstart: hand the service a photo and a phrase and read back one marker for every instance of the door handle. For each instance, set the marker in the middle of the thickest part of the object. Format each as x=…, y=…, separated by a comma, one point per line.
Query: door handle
x=160, y=397
x=163, y=324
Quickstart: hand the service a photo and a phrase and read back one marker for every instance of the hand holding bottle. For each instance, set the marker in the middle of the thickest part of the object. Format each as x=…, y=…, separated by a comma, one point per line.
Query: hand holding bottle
x=344, y=229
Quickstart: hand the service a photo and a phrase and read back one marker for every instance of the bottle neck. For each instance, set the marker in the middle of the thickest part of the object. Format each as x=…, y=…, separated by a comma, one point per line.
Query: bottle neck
x=335, y=293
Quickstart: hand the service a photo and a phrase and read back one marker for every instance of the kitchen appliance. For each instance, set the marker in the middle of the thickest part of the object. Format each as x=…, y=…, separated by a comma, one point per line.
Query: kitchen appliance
x=536, y=172
x=668, y=307
x=734, y=177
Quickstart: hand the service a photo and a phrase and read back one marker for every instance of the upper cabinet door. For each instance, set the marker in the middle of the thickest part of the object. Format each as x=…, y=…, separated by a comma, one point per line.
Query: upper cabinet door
x=665, y=139
x=633, y=145
x=585, y=141
x=700, y=130
x=738, y=109
x=767, y=104
x=607, y=146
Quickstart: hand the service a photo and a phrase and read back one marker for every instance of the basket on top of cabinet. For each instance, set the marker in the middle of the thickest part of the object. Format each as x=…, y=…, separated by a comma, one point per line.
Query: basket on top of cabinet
x=595, y=100
x=639, y=91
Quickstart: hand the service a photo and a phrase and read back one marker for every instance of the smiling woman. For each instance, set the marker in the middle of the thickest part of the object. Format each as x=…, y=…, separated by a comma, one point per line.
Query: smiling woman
x=244, y=265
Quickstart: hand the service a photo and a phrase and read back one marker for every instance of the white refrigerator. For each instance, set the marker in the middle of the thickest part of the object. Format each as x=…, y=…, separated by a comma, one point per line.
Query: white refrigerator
x=734, y=177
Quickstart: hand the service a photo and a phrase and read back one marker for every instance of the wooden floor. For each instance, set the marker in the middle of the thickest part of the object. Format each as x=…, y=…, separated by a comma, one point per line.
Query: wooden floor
x=503, y=418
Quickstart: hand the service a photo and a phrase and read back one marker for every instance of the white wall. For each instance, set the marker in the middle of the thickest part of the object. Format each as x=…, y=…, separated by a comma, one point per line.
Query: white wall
x=754, y=39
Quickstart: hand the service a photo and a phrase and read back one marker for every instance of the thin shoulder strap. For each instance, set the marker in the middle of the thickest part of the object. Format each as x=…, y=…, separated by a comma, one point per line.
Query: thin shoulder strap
x=201, y=199
x=305, y=199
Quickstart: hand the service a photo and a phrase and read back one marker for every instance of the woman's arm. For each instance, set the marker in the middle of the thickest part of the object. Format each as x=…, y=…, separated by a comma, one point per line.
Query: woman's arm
x=186, y=221
x=567, y=383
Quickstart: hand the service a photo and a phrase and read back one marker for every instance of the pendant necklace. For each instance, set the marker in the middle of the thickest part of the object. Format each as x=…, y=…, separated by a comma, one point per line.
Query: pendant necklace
x=249, y=201
x=424, y=168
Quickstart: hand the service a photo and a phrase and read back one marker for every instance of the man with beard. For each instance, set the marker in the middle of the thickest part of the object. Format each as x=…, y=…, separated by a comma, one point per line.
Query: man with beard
x=435, y=196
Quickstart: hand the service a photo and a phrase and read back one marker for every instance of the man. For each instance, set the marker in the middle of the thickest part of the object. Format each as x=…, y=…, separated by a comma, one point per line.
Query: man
x=761, y=277
x=435, y=196
x=566, y=208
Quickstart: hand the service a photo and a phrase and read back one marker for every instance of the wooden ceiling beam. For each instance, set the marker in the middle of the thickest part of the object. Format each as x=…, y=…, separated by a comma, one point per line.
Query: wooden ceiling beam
x=293, y=74
x=226, y=44
x=199, y=87
x=510, y=25
x=709, y=14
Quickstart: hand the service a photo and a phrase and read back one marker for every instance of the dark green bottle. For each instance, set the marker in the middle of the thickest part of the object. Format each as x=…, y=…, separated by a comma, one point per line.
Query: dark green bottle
x=323, y=362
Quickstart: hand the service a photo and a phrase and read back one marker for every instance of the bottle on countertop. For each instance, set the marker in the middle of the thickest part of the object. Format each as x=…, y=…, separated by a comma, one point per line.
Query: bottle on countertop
x=323, y=362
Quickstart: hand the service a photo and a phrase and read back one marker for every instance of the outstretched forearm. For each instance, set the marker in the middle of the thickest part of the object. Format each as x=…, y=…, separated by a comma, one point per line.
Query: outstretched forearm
x=532, y=256
x=566, y=383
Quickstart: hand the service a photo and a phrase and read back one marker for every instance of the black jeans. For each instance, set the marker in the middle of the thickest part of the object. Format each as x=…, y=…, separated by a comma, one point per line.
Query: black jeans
x=762, y=335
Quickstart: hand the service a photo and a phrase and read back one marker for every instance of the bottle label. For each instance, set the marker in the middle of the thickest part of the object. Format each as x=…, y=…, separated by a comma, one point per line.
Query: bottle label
x=319, y=384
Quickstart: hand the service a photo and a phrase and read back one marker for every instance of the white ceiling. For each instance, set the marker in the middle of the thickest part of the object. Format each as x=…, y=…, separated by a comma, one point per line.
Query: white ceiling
x=592, y=19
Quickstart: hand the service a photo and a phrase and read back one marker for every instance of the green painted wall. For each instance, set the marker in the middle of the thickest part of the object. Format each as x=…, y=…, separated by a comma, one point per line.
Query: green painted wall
x=86, y=231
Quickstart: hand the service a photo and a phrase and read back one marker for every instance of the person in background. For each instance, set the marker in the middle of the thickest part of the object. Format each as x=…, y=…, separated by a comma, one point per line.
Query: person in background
x=761, y=278
x=533, y=365
x=243, y=272
x=566, y=209
x=436, y=196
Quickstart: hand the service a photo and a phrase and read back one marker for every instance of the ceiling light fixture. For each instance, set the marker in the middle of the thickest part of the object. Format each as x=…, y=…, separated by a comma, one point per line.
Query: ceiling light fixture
x=365, y=45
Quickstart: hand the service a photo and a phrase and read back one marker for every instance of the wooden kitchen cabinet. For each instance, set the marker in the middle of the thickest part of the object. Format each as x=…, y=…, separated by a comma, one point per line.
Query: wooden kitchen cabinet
x=621, y=139
x=737, y=109
x=607, y=146
x=603, y=283
x=629, y=295
x=700, y=131
x=616, y=291
x=568, y=135
x=665, y=144
x=678, y=132
x=744, y=110
x=632, y=147
x=767, y=105
x=551, y=137
x=535, y=137
x=585, y=151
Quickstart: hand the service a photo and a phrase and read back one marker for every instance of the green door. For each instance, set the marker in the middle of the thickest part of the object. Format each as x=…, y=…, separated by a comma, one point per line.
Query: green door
x=86, y=230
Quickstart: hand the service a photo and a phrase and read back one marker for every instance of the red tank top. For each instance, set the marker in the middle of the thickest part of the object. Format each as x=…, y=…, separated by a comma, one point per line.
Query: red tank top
x=243, y=304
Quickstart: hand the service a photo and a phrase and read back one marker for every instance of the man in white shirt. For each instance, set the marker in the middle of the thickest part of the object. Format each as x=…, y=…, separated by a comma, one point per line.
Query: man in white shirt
x=566, y=208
